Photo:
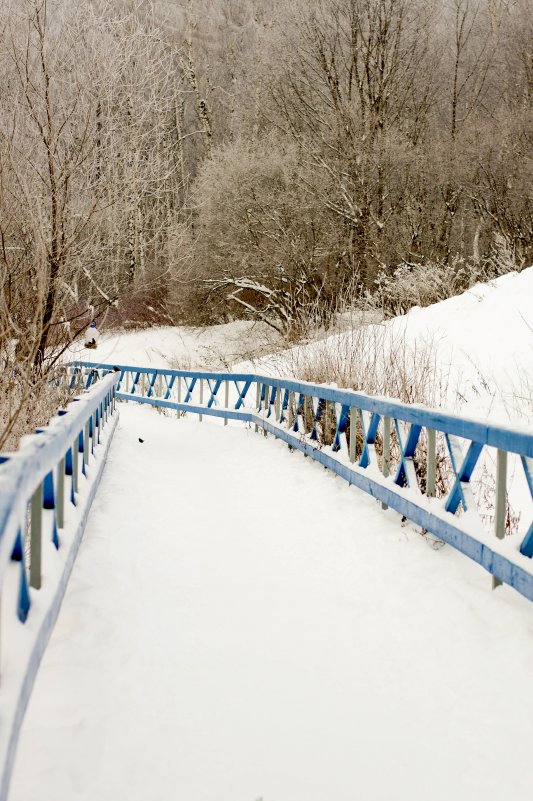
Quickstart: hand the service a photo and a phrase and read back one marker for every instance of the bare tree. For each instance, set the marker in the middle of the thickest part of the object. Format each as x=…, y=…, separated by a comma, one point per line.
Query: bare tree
x=354, y=89
x=86, y=198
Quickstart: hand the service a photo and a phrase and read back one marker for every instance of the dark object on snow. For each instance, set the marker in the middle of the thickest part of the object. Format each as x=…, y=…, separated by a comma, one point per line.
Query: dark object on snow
x=92, y=336
x=141, y=440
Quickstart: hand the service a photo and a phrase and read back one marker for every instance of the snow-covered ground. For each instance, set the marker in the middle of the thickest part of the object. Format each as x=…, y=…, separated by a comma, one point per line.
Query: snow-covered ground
x=481, y=343
x=215, y=347
x=241, y=624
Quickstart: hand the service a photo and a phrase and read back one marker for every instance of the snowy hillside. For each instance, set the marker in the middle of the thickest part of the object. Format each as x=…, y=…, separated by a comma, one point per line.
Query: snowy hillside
x=215, y=347
x=481, y=345
x=256, y=628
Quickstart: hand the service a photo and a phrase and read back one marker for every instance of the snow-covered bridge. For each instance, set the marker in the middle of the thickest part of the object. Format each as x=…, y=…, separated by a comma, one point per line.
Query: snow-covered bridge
x=242, y=624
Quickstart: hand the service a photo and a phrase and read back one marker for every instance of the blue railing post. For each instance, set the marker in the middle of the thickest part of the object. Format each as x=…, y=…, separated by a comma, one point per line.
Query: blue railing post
x=501, y=502
x=60, y=501
x=257, y=401
x=353, y=434
x=226, y=399
x=86, y=446
x=36, y=518
x=431, y=474
x=200, y=416
x=75, y=463
x=386, y=452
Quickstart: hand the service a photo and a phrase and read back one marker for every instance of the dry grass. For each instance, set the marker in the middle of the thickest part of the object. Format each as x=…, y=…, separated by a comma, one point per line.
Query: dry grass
x=376, y=360
x=25, y=406
x=426, y=283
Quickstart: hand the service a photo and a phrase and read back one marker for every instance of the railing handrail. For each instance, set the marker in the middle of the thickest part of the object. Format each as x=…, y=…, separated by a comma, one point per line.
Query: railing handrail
x=365, y=428
x=298, y=413
x=514, y=439
x=22, y=471
x=46, y=491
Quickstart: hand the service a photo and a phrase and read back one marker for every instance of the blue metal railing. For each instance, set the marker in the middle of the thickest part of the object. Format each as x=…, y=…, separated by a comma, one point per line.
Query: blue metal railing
x=403, y=455
x=46, y=490
x=418, y=461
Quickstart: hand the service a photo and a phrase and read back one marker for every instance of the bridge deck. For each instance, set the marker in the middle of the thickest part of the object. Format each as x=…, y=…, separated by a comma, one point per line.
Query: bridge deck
x=242, y=624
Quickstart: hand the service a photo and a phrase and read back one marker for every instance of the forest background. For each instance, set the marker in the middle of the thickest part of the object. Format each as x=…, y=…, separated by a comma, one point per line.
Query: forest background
x=194, y=162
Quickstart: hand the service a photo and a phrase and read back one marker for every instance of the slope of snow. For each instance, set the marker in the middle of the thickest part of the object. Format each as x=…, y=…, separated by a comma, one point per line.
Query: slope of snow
x=482, y=342
x=485, y=338
x=241, y=624
x=214, y=347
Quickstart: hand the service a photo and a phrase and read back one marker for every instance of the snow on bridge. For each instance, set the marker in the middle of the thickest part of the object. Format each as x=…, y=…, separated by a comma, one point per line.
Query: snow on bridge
x=240, y=623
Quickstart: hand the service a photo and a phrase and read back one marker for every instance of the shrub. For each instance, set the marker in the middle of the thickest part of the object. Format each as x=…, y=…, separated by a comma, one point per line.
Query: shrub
x=430, y=282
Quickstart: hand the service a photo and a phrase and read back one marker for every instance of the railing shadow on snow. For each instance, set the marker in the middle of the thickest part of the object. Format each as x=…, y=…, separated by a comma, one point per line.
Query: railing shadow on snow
x=46, y=491
x=415, y=460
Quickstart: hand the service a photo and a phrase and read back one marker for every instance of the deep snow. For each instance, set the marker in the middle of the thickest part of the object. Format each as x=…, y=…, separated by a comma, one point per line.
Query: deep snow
x=481, y=343
x=215, y=347
x=242, y=624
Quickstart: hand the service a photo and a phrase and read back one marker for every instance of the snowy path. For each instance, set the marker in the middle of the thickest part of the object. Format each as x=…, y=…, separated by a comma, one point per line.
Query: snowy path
x=242, y=624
